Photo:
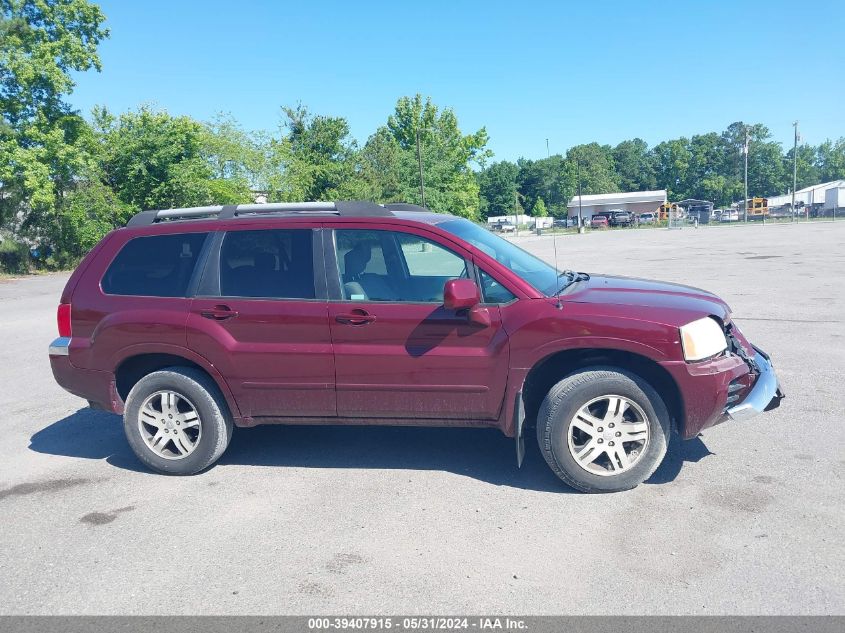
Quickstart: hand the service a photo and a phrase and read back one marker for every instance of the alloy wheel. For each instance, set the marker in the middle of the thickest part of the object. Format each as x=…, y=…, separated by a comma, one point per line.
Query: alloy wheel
x=169, y=424
x=608, y=435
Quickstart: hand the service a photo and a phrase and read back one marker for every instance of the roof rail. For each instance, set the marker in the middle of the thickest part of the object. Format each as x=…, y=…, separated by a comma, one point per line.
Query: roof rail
x=352, y=208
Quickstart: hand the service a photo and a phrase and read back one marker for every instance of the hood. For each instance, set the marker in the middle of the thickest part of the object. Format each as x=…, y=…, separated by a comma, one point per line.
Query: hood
x=633, y=292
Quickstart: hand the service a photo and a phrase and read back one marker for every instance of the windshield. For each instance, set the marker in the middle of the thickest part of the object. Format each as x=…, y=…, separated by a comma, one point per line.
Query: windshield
x=535, y=271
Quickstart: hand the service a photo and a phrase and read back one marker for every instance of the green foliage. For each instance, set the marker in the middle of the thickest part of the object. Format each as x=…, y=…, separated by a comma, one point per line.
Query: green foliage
x=596, y=167
x=41, y=43
x=831, y=160
x=498, y=188
x=153, y=160
x=634, y=167
x=447, y=156
x=14, y=257
x=66, y=181
x=553, y=179
x=314, y=156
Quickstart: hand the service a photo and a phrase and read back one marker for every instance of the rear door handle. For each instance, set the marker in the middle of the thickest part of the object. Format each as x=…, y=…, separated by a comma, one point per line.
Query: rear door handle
x=219, y=313
x=360, y=318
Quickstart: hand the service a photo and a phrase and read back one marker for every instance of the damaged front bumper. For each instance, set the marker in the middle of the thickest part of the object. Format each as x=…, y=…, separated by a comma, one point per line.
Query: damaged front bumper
x=765, y=395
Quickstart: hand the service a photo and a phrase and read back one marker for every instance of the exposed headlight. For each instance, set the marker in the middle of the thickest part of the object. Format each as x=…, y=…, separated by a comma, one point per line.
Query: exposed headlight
x=702, y=339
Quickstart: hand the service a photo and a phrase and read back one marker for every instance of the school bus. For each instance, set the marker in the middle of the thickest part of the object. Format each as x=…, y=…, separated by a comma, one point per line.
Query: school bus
x=666, y=209
x=758, y=208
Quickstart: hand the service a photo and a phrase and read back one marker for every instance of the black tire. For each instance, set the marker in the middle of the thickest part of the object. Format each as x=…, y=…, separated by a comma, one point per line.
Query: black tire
x=214, y=419
x=566, y=398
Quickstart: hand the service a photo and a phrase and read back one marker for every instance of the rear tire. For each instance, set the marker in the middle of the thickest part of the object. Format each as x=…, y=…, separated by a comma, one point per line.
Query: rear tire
x=176, y=421
x=603, y=429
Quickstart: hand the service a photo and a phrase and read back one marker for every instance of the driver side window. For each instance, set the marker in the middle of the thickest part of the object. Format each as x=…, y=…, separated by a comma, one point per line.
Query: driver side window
x=394, y=266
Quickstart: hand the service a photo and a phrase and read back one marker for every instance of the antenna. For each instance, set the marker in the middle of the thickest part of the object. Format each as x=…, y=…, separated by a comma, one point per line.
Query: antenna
x=554, y=237
x=558, y=305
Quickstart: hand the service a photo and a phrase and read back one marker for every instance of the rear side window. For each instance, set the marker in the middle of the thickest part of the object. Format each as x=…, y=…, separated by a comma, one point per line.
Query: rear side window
x=154, y=266
x=268, y=264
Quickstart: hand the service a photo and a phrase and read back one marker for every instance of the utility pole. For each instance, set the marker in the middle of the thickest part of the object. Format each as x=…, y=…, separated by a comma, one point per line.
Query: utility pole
x=419, y=162
x=745, y=151
x=794, y=169
x=547, y=149
x=580, y=220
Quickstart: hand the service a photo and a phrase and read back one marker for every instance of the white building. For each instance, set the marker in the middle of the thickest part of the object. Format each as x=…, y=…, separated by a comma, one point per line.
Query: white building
x=634, y=202
x=813, y=196
x=521, y=219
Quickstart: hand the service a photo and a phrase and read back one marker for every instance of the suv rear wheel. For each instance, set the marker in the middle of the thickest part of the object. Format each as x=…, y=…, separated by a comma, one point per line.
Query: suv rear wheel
x=176, y=421
x=603, y=429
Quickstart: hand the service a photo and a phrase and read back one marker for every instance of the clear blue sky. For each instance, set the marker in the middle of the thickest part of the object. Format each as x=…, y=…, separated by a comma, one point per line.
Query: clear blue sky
x=572, y=72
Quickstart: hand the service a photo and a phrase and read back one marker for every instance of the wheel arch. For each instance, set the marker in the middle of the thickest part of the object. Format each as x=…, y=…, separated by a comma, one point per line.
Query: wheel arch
x=134, y=366
x=552, y=368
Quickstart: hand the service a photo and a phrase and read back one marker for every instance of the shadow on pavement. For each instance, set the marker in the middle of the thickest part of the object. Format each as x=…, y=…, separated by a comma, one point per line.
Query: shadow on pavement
x=483, y=454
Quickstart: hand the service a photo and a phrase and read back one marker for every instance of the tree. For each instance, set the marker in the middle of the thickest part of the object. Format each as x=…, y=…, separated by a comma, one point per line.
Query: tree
x=551, y=178
x=807, y=171
x=153, y=160
x=831, y=160
x=41, y=43
x=633, y=164
x=539, y=210
x=596, y=166
x=317, y=158
x=672, y=161
x=498, y=188
x=447, y=156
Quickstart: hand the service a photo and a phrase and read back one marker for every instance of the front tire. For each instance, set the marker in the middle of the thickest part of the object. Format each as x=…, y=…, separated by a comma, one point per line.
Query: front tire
x=176, y=421
x=603, y=429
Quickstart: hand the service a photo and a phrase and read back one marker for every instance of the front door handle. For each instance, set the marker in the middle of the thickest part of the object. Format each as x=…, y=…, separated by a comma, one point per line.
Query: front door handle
x=219, y=313
x=356, y=317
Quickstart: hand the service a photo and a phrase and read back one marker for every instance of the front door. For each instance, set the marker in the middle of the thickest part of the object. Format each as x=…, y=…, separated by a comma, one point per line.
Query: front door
x=261, y=318
x=398, y=352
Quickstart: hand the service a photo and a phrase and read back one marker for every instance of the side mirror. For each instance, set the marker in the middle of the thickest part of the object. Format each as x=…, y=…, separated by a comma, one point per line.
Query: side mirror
x=460, y=294
x=463, y=294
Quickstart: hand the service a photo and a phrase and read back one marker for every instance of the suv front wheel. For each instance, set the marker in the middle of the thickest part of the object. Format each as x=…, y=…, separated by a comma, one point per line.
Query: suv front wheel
x=603, y=429
x=177, y=421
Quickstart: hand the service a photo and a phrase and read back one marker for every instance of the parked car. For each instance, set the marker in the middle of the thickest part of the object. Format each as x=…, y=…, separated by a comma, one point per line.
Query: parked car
x=504, y=226
x=599, y=222
x=618, y=217
x=191, y=322
x=729, y=215
x=646, y=218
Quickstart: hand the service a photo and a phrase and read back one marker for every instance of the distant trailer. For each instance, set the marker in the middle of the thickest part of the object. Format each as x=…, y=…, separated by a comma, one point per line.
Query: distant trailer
x=700, y=210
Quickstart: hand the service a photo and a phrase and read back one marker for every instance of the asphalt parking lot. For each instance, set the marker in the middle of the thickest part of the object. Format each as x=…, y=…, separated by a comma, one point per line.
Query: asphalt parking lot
x=748, y=518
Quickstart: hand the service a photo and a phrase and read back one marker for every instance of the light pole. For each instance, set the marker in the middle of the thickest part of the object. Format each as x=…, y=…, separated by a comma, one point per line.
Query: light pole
x=419, y=163
x=745, y=151
x=794, y=169
x=580, y=220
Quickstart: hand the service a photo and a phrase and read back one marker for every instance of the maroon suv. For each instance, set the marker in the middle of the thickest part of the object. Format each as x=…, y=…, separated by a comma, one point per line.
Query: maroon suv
x=189, y=322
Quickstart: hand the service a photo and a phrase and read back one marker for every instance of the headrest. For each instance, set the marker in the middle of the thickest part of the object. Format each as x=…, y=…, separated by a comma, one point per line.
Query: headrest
x=356, y=260
x=265, y=261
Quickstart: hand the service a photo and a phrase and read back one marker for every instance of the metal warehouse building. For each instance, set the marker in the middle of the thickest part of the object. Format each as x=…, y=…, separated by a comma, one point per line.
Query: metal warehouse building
x=815, y=197
x=634, y=201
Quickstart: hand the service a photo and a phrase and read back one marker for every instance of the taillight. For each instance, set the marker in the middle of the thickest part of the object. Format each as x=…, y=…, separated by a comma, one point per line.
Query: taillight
x=63, y=319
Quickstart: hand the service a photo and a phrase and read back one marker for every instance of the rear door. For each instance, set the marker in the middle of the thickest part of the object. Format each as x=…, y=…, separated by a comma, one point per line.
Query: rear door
x=398, y=352
x=260, y=316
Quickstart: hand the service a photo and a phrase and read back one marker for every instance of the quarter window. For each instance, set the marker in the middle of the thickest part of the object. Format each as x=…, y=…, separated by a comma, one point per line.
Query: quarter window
x=492, y=291
x=154, y=266
x=269, y=264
